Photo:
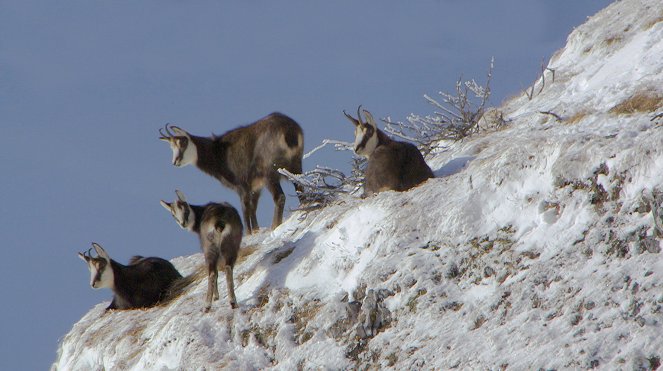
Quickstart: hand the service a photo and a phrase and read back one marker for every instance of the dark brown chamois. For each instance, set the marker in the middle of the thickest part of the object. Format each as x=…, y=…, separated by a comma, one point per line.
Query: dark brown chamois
x=392, y=165
x=219, y=228
x=245, y=159
x=144, y=283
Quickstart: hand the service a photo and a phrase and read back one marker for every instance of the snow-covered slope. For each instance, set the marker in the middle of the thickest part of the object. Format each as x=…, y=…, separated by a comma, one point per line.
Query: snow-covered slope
x=541, y=252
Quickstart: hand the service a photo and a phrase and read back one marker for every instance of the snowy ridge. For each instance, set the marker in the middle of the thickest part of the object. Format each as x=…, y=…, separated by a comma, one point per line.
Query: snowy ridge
x=540, y=252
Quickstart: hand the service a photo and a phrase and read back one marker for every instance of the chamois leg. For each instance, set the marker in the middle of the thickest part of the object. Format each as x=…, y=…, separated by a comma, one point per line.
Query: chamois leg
x=231, y=286
x=296, y=168
x=255, y=196
x=275, y=189
x=246, y=211
x=212, y=287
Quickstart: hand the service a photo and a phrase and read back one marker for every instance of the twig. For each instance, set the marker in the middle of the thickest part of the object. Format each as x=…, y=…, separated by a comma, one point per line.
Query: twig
x=558, y=117
x=338, y=144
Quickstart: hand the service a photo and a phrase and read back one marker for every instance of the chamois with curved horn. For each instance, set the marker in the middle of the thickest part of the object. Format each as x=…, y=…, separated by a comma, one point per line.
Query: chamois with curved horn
x=392, y=165
x=144, y=283
x=245, y=159
x=219, y=228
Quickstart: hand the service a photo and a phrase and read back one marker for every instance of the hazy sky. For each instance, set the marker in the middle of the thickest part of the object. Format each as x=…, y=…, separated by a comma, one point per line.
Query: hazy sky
x=84, y=86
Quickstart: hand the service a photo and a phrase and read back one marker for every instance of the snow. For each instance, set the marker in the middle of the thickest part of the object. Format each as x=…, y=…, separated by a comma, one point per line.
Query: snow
x=533, y=248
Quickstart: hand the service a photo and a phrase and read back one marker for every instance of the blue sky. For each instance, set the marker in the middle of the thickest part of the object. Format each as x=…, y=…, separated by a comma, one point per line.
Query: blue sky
x=84, y=86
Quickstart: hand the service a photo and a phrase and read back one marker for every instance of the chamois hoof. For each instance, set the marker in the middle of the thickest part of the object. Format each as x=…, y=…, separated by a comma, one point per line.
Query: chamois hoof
x=234, y=305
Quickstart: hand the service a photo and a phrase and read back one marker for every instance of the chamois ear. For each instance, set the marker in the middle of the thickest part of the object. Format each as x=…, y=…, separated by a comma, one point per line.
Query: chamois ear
x=370, y=120
x=180, y=195
x=179, y=131
x=166, y=205
x=83, y=257
x=100, y=251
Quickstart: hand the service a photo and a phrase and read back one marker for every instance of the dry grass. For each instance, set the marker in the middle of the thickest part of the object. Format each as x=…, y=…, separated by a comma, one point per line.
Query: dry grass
x=263, y=296
x=612, y=40
x=245, y=252
x=639, y=102
x=576, y=117
x=654, y=22
x=303, y=316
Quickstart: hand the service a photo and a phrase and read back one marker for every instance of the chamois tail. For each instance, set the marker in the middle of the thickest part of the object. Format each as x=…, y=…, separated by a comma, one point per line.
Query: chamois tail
x=178, y=287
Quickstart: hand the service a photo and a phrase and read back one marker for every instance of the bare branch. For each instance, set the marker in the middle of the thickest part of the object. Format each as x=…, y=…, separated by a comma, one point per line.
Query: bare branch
x=552, y=70
x=339, y=145
x=456, y=115
x=543, y=76
x=323, y=185
x=553, y=114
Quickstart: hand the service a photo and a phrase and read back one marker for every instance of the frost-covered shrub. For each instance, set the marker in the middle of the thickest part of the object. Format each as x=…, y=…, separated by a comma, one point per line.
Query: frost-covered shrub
x=323, y=185
x=457, y=116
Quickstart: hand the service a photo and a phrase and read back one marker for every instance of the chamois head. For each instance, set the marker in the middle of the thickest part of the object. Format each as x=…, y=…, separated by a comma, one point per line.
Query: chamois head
x=184, y=150
x=366, y=133
x=101, y=273
x=181, y=211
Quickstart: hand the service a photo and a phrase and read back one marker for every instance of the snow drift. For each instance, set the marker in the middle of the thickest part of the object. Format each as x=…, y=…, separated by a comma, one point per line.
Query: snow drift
x=542, y=251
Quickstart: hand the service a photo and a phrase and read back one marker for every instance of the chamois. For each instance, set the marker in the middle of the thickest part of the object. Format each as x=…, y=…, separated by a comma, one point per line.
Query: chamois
x=143, y=283
x=392, y=165
x=219, y=228
x=245, y=159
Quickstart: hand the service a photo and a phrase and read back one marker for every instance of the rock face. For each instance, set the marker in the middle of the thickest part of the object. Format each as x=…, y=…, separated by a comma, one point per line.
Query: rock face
x=542, y=251
x=373, y=314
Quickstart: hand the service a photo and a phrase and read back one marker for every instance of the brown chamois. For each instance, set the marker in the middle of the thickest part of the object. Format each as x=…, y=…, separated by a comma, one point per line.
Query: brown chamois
x=144, y=283
x=392, y=165
x=245, y=159
x=219, y=228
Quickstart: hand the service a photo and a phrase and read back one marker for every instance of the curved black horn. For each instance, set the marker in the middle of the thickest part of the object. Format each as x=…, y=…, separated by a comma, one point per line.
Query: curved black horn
x=352, y=119
x=168, y=130
x=357, y=121
x=162, y=134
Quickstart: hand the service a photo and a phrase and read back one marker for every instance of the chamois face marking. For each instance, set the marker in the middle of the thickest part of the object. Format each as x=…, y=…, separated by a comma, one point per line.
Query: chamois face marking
x=366, y=133
x=366, y=140
x=184, y=150
x=181, y=211
x=392, y=165
x=101, y=273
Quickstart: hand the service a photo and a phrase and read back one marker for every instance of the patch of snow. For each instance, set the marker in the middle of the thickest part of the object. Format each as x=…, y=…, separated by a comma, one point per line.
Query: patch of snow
x=534, y=247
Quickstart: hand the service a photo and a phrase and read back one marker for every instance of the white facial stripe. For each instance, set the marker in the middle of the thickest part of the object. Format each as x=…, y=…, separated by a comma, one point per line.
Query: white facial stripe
x=369, y=146
x=175, y=149
x=190, y=155
x=186, y=157
x=185, y=219
x=104, y=280
x=359, y=135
